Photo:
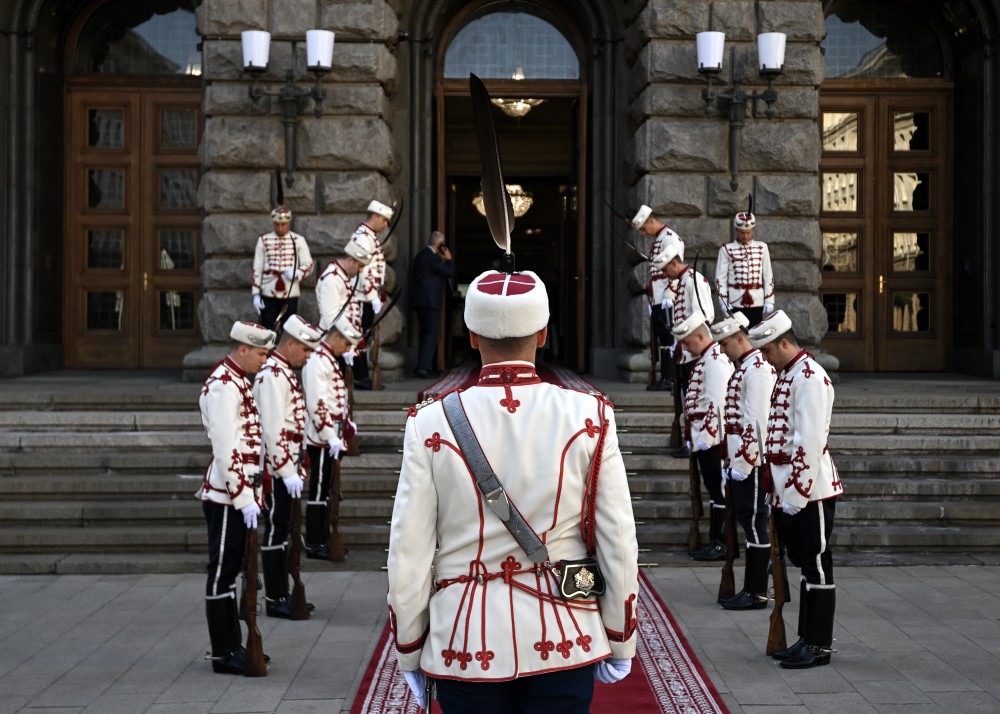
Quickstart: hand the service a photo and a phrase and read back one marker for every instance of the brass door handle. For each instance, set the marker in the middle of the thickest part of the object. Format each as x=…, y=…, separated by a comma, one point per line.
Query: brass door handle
x=145, y=281
x=881, y=284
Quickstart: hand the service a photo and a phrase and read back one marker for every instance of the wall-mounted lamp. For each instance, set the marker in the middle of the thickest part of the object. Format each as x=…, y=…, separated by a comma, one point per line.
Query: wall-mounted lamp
x=733, y=100
x=319, y=61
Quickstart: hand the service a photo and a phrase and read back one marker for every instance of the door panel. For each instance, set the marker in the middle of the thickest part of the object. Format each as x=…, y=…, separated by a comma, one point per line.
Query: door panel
x=132, y=228
x=884, y=221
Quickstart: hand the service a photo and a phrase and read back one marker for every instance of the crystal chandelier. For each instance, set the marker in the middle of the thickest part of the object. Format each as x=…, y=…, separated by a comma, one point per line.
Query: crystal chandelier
x=516, y=108
x=520, y=199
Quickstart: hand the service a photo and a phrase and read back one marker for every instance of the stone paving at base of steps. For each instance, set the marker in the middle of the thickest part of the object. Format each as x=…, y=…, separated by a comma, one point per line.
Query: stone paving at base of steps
x=915, y=639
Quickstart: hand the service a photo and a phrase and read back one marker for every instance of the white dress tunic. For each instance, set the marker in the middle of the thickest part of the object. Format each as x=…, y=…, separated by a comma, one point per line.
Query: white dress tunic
x=465, y=600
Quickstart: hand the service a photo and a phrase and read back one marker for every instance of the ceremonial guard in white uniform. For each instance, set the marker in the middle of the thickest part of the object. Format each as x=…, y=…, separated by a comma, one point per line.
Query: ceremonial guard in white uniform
x=692, y=293
x=743, y=276
x=469, y=607
x=748, y=399
x=340, y=285
x=280, y=262
x=704, y=402
x=282, y=408
x=372, y=279
x=230, y=493
x=660, y=292
x=327, y=427
x=806, y=485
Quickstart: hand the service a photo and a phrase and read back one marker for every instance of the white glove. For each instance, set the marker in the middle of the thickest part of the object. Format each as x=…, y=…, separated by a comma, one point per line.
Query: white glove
x=649, y=308
x=376, y=305
x=289, y=274
x=418, y=685
x=768, y=308
x=336, y=446
x=609, y=671
x=737, y=475
x=258, y=303
x=293, y=484
x=250, y=513
x=701, y=446
x=789, y=508
x=666, y=304
x=349, y=357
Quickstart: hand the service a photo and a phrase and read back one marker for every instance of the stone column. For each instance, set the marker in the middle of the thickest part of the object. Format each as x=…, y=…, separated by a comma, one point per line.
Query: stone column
x=678, y=160
x=344, y=158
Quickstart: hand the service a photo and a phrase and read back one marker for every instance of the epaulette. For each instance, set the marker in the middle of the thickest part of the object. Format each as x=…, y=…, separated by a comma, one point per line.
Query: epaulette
x=412, y=411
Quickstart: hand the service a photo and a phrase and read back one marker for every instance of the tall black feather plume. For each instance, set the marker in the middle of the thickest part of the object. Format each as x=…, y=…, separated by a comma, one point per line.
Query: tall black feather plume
x=750, y=203
x=279, y=196
x=496, y=200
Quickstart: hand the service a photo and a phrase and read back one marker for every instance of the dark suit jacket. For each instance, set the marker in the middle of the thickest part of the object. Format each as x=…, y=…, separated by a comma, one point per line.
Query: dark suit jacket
x=429, y=274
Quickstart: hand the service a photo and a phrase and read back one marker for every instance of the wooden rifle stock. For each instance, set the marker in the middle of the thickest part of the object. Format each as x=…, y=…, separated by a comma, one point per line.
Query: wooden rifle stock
x=727, y=586
x=299, y=607
x=255, y=664
x=337, y=551
x=776, y=633
x=353, y=446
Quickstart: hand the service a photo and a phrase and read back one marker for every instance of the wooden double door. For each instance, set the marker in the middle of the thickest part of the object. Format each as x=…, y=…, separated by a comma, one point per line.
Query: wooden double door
x=132, y=227
x=886, y=228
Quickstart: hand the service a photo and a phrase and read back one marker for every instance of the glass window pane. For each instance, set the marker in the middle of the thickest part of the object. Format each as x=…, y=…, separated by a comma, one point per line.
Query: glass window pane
x=106, y=128
x=176, y=310
x=841, y=311
x=884, y=40
x=139, y=37
x=178, y=129
x=106, y=188
x=840, y=131
x=911, y=191
x=177, y=189
x=177, y=249
x=106, y=249
x=511, y=45
x=911, y=312
x=840, y=252
x=910, y=251
x=840, y=192
x=104, y=310
x=911, y=131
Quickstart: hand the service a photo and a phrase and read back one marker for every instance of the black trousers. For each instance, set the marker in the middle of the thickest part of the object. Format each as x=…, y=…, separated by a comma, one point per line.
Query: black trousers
x=277, y=514
x=753, y=314
x=749, y=504
x=320, y=474
x=272, y=306
x=429, y=321
x=227, y=535
x=661, y=325
x=710, y=468
x=567, y=691
x=806, y=537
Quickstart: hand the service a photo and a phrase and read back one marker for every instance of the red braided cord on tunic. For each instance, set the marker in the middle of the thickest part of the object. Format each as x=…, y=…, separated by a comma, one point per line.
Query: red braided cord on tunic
x=589, y=515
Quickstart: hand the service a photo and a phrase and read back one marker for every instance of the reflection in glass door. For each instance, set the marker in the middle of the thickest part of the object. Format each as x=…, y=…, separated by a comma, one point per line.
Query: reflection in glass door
x=885, y=222
x=132, y=228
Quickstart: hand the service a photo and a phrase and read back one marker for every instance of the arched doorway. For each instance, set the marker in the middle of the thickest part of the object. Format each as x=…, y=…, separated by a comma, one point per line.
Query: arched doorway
x=887, y=185
x=132, y=225
x=529, y=58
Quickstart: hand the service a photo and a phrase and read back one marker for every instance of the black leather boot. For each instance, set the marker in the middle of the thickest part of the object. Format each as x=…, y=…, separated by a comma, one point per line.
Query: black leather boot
x=228, y=656
x=754, y=593
x=276, y=600
x=317, y=544
x=819, y=631
x=716, y=548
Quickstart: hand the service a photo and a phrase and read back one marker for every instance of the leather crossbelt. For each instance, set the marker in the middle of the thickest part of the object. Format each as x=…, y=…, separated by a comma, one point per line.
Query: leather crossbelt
x=488, y=483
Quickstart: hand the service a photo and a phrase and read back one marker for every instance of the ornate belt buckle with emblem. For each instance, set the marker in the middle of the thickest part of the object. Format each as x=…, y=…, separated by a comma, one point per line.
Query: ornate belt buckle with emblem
x=580, y=579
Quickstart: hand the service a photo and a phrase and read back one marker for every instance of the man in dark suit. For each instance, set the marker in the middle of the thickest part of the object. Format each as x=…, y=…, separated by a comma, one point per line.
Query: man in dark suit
x=432, y=269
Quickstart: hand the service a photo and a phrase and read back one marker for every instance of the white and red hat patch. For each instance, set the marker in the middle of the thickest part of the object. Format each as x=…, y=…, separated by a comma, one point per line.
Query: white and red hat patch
x=500, y=305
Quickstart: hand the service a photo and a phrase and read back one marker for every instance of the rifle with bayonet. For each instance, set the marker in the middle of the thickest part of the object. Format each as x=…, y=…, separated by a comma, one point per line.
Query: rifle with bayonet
x=776, y=631
x=299, y=609
x=337, y=550
x=256, y=666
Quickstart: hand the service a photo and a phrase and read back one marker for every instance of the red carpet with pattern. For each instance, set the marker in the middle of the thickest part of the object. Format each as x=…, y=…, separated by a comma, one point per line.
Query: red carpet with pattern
x=666, y=676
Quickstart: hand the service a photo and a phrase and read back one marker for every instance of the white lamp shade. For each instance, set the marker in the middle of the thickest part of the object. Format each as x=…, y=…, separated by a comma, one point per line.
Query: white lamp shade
x=319, y=48
x=710, y=47
x=256, y=48
x=771, y=50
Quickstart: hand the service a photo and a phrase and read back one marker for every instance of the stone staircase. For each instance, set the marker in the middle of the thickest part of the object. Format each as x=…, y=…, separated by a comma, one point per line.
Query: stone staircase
x=99, y=477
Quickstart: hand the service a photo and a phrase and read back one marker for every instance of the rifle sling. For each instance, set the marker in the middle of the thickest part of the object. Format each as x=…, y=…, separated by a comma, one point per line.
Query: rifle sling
x=489, y=485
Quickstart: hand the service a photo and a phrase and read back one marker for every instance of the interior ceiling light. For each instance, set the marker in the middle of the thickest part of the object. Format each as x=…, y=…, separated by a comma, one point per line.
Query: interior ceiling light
x=516, y=108
x=519, y=198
